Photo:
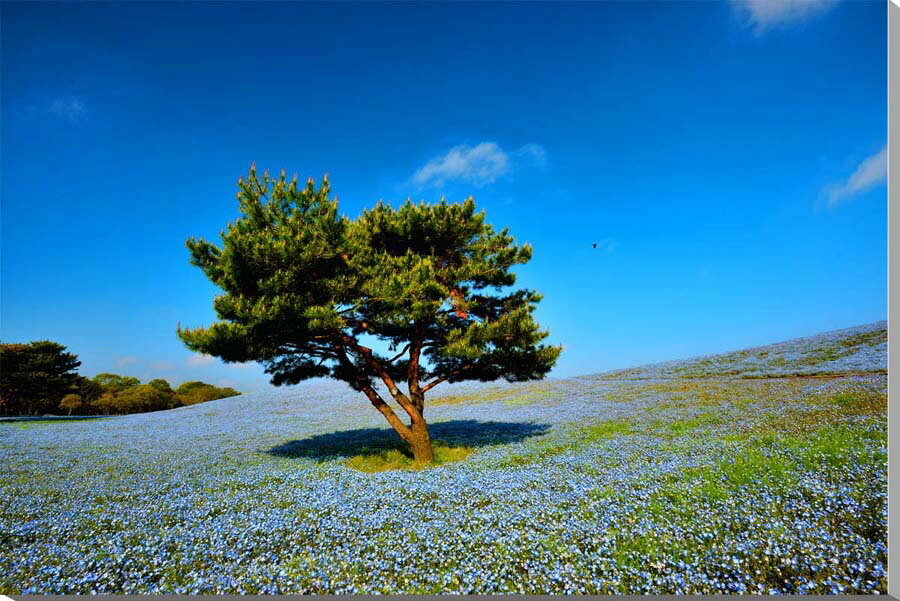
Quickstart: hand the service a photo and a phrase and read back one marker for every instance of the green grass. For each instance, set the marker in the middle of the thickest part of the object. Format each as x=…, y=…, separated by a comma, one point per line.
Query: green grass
x=772, y=460
x=572, y=440
x=837, y=445
x=674, y=428
x=382, y=460
x=684, y=426
x=844, y=347
x=526, y=394
x=604, y=430
x=752, y=467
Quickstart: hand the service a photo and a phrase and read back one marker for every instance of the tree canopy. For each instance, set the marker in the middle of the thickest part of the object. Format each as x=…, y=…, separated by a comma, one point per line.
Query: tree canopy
x=39, y=378
x=34, y=377
x=308, y=292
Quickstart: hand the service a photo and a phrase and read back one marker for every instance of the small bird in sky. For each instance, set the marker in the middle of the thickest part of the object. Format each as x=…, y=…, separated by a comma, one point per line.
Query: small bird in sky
x=595, y=245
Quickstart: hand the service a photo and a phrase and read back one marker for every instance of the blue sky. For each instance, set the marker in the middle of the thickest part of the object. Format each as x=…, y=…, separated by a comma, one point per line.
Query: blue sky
x=728, y=159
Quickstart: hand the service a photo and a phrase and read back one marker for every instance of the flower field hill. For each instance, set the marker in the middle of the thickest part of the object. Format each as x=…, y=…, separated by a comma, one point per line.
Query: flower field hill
x=862, y=349
x=743, y=472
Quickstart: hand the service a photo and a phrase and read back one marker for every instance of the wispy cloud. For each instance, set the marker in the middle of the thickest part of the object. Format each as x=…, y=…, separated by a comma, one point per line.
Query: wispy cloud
x=70, y=108
x=162, y=365
x=763, y=15
x=479, y=165
x=868, y=174
x=531, y=152
x=608, y=244
x=200, y=360
x=123, y=361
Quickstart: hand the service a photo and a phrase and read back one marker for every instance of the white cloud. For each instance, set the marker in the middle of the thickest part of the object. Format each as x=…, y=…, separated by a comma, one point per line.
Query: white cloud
x=123, y=361
x=162, y=365
x=763, y=15
x=533, y=152
x=869, y=174
x=200, y=360
x=479, y=165
x=69, y=108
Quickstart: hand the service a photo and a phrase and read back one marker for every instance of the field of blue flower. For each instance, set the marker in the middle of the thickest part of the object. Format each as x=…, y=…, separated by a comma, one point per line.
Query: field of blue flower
x=759, y=471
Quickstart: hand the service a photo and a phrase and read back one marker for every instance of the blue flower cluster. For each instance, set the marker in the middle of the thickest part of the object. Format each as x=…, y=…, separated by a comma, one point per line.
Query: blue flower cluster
x=251, y=495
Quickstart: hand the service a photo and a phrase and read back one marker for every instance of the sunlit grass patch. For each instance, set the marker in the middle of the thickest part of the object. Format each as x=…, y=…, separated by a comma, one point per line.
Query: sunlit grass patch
x=742, y=403
x=677, y=427
x=871, y=338
x=771, y=461
x=485, y=395
x=572, y=439
x=524, y=394
x=382, y=460
x=753, y=467
x=835, y=446
x=533, y=395
x=859, y=402
x=604, y=430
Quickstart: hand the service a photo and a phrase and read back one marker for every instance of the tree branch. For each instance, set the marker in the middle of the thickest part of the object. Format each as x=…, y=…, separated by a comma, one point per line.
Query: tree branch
x=399, y=355
x=402, y=429
x=412, y=372
x=373, y=363
x=455, y=372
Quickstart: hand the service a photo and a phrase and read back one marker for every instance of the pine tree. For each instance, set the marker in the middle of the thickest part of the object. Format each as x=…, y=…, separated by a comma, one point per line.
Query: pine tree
x=34, y=377
x=305, y=288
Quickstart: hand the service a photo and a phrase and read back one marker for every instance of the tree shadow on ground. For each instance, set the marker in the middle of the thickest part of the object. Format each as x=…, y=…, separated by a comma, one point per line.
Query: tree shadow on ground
x=456, y=433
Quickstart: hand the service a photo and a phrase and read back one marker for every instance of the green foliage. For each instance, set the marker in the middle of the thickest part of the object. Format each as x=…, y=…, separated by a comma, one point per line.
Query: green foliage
x=162, y=386
x=297, y=278
x=186, y=387
x=71, y=403
x=88, y=390
x=115, y=382
x=141, y=398
x=122, y=394
x=192, y=393
x=39, y=378
x=35, y=377
x=302, y=284
x=106, y=403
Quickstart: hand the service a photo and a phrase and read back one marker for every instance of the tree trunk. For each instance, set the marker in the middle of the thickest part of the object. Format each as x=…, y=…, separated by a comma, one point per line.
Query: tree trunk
x=420, y=443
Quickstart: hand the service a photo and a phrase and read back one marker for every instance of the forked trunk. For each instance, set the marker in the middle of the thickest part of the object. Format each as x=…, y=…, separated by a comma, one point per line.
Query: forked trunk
x=420, y=443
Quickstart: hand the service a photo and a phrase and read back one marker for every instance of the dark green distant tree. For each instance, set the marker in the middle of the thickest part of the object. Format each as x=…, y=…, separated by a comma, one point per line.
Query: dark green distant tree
x=34, y=377
x=89, y=391
x=305, y=290
x=115, y=382
x=167, y=398
x=186, y=387
x=161, y=385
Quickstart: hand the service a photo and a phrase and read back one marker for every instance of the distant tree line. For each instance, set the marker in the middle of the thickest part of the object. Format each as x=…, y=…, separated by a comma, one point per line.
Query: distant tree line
x=40, y=378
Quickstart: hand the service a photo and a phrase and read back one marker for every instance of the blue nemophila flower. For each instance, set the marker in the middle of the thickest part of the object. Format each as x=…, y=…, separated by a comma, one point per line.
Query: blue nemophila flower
x=548, y=502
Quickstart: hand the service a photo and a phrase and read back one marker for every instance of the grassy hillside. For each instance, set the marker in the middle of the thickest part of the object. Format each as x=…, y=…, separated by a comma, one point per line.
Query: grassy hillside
x=709, y=475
